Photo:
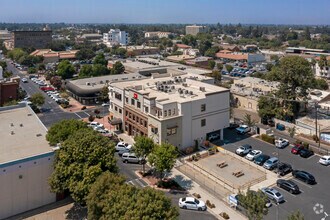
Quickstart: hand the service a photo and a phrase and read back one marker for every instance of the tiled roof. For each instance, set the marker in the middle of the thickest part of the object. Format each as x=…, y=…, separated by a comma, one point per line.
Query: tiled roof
x=183, y=46
x=232, y=56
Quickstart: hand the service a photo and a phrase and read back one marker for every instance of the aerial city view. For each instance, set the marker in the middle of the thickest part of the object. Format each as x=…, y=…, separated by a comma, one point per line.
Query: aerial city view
x=165, y=110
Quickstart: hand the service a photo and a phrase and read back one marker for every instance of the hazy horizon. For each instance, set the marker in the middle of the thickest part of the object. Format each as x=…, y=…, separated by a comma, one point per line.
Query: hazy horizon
x=281, y=12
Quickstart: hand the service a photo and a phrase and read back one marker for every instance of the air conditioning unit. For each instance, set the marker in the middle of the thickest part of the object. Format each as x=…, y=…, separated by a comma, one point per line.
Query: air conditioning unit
x=191, y=93
x=202, y=89
x=186, y=91
x=172, y=87
x=184, y=84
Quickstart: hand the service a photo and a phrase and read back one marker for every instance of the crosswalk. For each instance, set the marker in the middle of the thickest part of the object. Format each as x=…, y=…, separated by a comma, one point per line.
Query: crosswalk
x=138, y=183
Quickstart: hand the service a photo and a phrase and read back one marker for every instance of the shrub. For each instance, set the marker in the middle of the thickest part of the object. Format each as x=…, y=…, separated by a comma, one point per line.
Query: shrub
x=224, y=215
x=91, y=118
x=196, y=195
x=196, y=145
x=268, y=138
x=306, y=145
x=209, y=204
x=83, y=108
x=189, y=150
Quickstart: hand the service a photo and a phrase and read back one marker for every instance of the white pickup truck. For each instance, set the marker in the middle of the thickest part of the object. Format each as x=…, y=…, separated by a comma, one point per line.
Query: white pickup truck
x=281, y=143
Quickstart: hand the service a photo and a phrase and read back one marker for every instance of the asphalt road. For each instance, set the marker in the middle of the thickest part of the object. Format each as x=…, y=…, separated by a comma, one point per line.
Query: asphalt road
x=310, y=194
x=128, y=170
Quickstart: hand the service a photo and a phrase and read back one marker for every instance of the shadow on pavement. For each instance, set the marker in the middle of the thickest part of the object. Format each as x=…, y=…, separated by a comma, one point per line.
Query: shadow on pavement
x=77, y=212
x=187, y=184
x=230, y=136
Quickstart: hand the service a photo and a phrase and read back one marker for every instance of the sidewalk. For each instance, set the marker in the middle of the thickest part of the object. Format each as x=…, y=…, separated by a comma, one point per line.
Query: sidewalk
x=193, y=187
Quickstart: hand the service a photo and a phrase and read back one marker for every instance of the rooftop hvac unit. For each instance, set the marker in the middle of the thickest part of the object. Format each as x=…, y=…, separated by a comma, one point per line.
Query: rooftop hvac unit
x=169, y=90
x=172, y=87
x=186, y=91
x=202, y=89
x=185, y=84
x=181, y=91
x=88, y=83
x=101, y=82
x=191, y=93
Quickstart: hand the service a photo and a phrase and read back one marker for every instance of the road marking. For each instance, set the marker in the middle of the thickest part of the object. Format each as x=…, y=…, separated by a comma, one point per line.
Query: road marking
x=297, y=181
x=140, y=183
x=86, y=113
x=311, y=157
x=77, y=115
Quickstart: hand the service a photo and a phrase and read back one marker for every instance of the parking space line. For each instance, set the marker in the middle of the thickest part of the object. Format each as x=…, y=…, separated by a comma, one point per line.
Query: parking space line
x=302, y=183
x=86, y=113
x=77, y=115
x=311, y=157
x=140, y=183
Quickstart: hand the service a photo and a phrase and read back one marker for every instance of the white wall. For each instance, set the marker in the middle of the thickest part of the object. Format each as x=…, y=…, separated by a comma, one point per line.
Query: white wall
x=31, y=191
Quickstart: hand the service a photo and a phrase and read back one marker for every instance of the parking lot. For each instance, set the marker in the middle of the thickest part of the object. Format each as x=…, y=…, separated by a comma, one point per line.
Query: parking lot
x=310, y=195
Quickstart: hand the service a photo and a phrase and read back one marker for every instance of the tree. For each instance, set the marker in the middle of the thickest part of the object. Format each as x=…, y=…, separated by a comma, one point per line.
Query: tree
x=100, y=70
x=7, y=74
x=254, y=203
x=16, y=54
x=37, y=99
x=85, y=54
x=104, y=94
x=56, y=81
x=163, y=157
x=41, y=66
x=212, y=51
x=266, y=107
x=211, y=64
x=86, y=71
x=204, y=45
x=61, y=131
x=248, y=120
x=320, y=84
x=31, y=70
x=122, y=52
x=117, y=68
x=220, y=66
x=189, y=40
x=323, y=62
x=269, y=66
x=65, y=69
x=292, y=131
x=296, y=216
x=143, y=147
x=217, y=75
x=82, y=157
x=3, y=64
x=110, y=198
x=100, y=59
x=229, y=68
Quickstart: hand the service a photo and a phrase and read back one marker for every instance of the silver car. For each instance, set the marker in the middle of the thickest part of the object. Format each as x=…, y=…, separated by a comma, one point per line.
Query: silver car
x=271, y=163
x=273, y=194
x=132, y=158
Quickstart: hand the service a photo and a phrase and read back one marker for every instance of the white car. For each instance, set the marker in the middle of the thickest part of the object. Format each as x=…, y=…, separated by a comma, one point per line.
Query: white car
x=243, y=150
x=25, y=102
x=253, y=154
x=243, y=129
x=122, y=146
x=325, y=160
x=281, y=143
x=214, y=136
x=105, y=104
x=192, y=203
x=24, y=80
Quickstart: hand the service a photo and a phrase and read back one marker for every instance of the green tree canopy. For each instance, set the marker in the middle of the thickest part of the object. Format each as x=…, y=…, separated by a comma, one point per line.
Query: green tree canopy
x=109, y=198
x=31, y=70
x=105, y=94
x=3, y=64
x=323, y=62
x=212, y=51
x=61, y=131
x=143, y=146
x=86, y=71
x=211, y=64
x=254, y=203
x=229, y=68
x=82, y=157
x=85, y=54
x=117, y=68
x=100, y=70
x=37, y=99
x=100, y=59
x=163, y=157
x=296, y=216
x=248, y=120
x=65, y=69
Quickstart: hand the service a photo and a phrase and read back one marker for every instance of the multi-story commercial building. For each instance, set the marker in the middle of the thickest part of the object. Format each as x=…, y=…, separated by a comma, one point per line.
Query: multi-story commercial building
x=26, y=162
x=322, y=72
x=5, y=35
x=94, y=38
x=51, y=56
x=115, y=37
x=8, y=90
x=141, y=50
x=158, y=34
x=178, y=108
x=194, y=29
x=35, y=39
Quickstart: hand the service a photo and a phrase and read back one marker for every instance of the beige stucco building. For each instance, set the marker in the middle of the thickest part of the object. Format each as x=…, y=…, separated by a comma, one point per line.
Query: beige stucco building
x=25, y=162
x=174, y=107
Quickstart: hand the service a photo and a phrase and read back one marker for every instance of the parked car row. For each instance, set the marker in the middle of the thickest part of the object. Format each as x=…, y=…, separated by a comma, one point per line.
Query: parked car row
x=96, y=126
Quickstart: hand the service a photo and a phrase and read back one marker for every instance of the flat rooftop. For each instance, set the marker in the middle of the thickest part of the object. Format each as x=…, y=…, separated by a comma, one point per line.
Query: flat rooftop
x=22, y=134
x=147, y=63
x=191, y=86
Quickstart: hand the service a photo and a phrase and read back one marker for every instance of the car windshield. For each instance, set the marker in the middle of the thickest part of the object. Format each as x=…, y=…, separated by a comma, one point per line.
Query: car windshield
x=278, y=194
x=196, y=201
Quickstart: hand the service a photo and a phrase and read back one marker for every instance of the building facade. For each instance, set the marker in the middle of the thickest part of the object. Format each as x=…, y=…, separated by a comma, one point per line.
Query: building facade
x=174, y=108
x=8, y=90
x=26, y=162
x=158, y=34
x=194, y=29
x=35, y=39
x=115, y=37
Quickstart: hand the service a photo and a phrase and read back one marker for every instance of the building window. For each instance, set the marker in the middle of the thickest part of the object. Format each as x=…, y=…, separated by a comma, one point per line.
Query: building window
x=154, y=130
x=146, y=109
x=120, y=111
x=203, y=122
x=203, y=107
x=171, y=131
x=174, y=111
x=116, y=108
x=138, y=104
x=132, y=102
x=118, y=96
x=169, y=112
x=145, y=124
x=126, y=99
x=165, y=113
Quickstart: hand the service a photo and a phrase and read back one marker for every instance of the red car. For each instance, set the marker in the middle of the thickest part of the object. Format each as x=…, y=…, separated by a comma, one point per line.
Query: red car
x=297, y=148
x=46, y=89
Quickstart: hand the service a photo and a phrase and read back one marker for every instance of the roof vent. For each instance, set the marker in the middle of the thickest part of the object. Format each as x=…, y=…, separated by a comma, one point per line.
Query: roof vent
x=202, y=89
x=21, y=125
x=12, y=124
x=29, y=114
x=185, y=84
x=38, y=135
x=12, y=132
x=88, y=83
x=186, y=91
x=191, y=93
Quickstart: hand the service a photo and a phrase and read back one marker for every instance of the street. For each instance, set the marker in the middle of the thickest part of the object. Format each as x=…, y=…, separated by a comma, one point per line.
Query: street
x=310, y=194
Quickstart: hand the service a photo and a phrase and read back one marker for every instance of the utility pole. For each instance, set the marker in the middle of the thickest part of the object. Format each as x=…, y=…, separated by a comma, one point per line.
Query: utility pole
x=316, y=134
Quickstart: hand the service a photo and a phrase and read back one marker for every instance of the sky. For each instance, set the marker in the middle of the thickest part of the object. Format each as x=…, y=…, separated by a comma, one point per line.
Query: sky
x=167, y=11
